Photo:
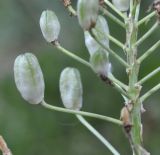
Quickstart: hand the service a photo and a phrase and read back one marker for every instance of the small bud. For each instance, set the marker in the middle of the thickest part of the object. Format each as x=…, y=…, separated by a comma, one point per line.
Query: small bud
x=49, y=25
x=100, y=63
x=121, y=5
x=87, y=13
x=125, y=117
x=71, y=88
x=29, y=78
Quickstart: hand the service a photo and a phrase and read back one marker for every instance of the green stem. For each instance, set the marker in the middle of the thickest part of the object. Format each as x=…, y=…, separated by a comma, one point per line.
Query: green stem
x=97, y=134
x=109, y=50
x=70, y=54
x=150, y=92
x=116, y=42
x=149, y=51
x=147, y=34
x=71, y=10
x=114, y=8
x=149, y=76
x=125, y=87
x=137, y=12
x=148, y=17
x=87, y=114
x=112, y=17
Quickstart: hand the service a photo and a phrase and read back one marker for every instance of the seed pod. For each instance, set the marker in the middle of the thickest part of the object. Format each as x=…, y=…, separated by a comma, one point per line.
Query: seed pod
x=101, y=30
x=87, y=13
x=100, y=63
x=29, y=78
x=71, y=88
x=49, y=25
x=121, y=5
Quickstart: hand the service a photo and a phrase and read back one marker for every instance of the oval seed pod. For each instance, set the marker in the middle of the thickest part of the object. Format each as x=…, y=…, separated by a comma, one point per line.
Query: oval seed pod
x=101, y=30
x=87, y=11
x=49, y=25
x=121, y=5
x=100, y=63
x=71, y=88
x=29, y=78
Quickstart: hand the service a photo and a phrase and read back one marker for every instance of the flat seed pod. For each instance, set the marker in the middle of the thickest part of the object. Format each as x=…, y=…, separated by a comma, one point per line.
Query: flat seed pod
x=87, y=13
x=100, y=63
x=71, y=88
x=29, y=78
x=49, y=25
x=121, y=5
x=101, y=30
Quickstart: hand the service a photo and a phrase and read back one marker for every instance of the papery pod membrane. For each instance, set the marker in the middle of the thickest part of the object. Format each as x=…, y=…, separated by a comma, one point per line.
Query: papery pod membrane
x=29, y=78
x=101, y=30
x=100, y=63
x=121, y=5
x=49, y=25
x=87, y=13
x=71, y=88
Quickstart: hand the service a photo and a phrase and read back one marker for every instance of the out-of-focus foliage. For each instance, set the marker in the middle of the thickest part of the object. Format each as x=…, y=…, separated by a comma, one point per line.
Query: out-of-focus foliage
x=33, y=130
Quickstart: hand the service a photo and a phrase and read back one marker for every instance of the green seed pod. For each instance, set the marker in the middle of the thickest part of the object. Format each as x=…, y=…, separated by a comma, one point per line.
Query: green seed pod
x=29, y=78
x=71, y=88
x=100, y=63
x=87, y=13
x=101, y=30
x=49, y=25
x=121, y=5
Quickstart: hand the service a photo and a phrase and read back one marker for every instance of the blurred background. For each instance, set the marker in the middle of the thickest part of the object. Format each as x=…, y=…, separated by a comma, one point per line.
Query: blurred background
x=33, y=130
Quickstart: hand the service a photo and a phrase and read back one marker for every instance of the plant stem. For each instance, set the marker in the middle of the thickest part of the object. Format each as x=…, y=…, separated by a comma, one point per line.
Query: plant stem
x=149, y=76
x=114, y=8
x=149, y=51
x=109, y=50
x=134, y=135
x=112, y=17
x=150, y=92
x=148, y=17
x=110, y=76
x=87, y=114
x=116, y=42
x=71, y=10
x=70, y=54
x=137, y=12
x=97, y=134
x=147, y=34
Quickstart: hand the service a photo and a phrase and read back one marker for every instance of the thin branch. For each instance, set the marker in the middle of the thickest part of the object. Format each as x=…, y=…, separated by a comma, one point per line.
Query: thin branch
x=137, y=12
x=70, y=54
x=148, y=17
x=150, y=92
x=116, y=42
x=87, y=114
x=112, y=17
x=115, y=9
x=67, y=4
x=149, y=51
x=147, y=34
x=121, y=84
x=124, y=63
x=149, y=76
x=97, y=134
